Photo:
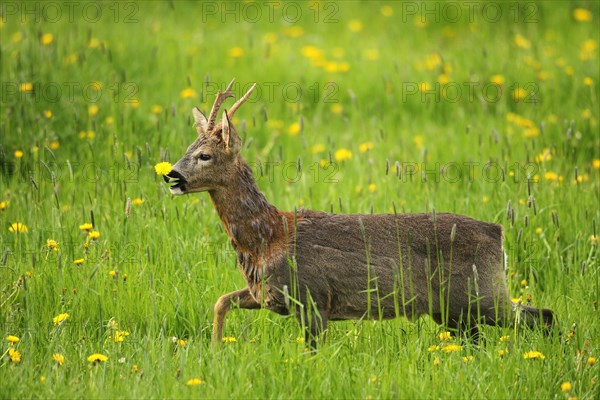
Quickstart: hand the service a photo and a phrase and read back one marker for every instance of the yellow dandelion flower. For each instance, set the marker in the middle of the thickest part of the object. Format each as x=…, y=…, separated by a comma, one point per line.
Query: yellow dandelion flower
x=47, y=38
x=182, y=342
x=485, y=199
x=504, y=338
x=331, y=66
x=86, y=227
x=336, y=108
x=236, y=52
x=342, y=154
x=97, y=358
x=317, y=148
x=586, y=113
x=343, y=67
x=12, y=339
x=533, y=355
x=524, y=283
x=93, y=43
x=137, y=201
x=596, y=163
x=87, y=134
x=364, y=147
x=419, y=141
x=293, y=31
x=468, y=359
x=432, y=61
x=502, y=352
x=14, y=355
x=93, y=110
x=18, y=227
x=387, y=11
x=270, y=37
x=52, y=244
x=79, y=261
x=299, y=340
x=521, y=42
x=551, y=176
x=519, y=94
x=229, y=339
x=445, y=336
x=55, y=144
x=112, y=273
x=120, y=336
x=275, y=124
x=594, y=239
x=450, y=348
x=566, y=387
x=94, y=235
x=312, y=52
x=4, y=204
x=163, y=168
x=588, y=49
x=60, y=318
x=156, y=109
x=433, y=347
x=48, y=114
x=591, y=361
x=588, y=81
x=355, y=25
x=294, y=129
x=531, y=132
x=498, y=79
x=372, y=54
x=372, y=187
x=16, y=37
x=582, y=15
x=58, y=358
x=544, y=156
x=424, y=86
x=18, y=153
x=26, y=87
x=188, y=93
x=195, y=382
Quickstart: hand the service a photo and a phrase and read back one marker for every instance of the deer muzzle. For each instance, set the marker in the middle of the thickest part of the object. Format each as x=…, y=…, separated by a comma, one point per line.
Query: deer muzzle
x=177, y=180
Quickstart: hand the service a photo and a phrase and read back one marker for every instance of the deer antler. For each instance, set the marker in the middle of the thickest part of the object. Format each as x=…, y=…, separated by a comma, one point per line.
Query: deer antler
x=241, y=101
x=215, y=108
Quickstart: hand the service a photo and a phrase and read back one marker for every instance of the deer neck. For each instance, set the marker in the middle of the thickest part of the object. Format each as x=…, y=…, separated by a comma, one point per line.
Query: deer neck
x=251, y=222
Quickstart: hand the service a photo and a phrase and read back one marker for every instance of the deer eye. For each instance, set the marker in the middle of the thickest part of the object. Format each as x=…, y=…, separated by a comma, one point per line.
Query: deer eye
x=205, y=157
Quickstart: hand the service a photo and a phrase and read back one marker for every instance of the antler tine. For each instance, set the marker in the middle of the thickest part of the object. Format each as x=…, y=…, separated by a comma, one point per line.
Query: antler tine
x=221, y=96
x=241, y=101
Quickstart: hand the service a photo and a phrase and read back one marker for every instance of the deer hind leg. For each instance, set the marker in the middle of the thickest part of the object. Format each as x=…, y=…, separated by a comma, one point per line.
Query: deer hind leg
x=242, y=298
x=315, y=326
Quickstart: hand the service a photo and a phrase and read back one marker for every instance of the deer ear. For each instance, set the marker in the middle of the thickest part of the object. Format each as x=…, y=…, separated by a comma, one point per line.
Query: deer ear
x=229, y=135
x=201, y=122
x=225, y=129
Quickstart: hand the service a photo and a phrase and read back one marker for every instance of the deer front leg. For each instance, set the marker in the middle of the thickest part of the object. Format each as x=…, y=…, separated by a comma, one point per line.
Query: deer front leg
x=242, y=298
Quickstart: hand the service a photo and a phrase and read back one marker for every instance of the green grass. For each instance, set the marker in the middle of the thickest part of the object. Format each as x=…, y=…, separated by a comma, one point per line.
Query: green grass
x=177, y=259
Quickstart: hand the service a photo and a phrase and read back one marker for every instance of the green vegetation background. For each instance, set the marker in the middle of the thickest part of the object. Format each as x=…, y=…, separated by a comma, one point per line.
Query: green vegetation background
x=488, y=110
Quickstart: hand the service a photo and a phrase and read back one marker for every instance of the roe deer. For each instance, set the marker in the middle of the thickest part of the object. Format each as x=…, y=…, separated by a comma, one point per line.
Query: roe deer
x=344, y=266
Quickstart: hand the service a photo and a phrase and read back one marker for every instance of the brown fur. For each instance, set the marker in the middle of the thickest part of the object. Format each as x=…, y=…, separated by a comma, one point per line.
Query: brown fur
x=350, y=266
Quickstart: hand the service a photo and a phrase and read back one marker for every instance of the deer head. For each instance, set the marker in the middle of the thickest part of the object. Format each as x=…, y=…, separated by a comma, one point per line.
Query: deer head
x=206, y=165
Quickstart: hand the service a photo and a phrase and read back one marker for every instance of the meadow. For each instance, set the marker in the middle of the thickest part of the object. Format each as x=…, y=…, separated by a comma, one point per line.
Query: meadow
x=107, y=281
